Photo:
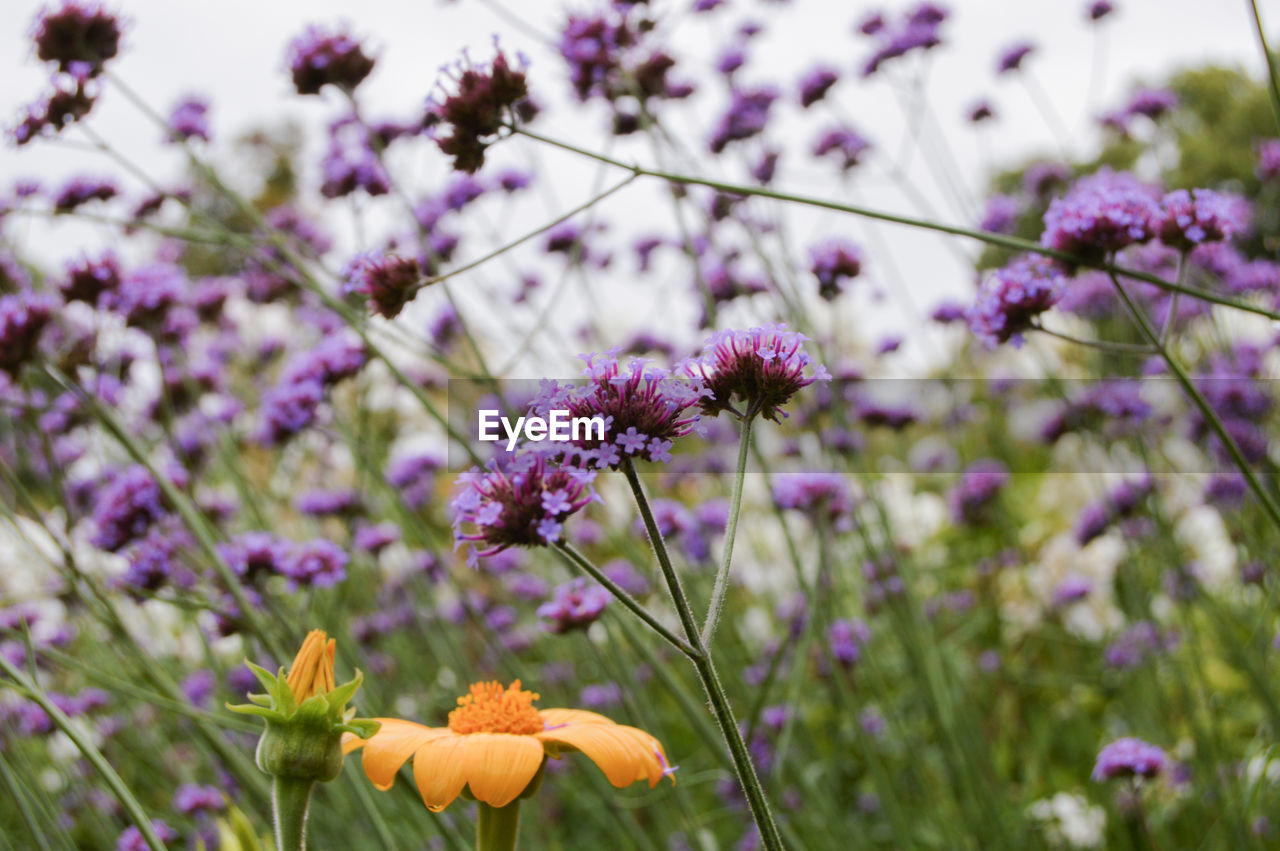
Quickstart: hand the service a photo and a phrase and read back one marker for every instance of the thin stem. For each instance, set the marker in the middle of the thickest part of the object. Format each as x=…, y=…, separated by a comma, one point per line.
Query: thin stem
x=1173, y=301
x=707, y=673
x=1010, y=242
x=95, y=758
x=1273, y=76
x=582, y=563
x=290, y=799
x=1210, y=415
x=497, y=827
x=721, y=587
x=1100, y=345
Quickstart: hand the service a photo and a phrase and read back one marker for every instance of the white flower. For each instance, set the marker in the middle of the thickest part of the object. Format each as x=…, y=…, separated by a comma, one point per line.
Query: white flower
x=1070, y=821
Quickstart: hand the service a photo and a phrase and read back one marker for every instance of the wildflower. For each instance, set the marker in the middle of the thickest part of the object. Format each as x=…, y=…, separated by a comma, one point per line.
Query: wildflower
x=1150, y=103
x=846, y=639
x=496, y=743
x=191, y=798
x=917, y=30
x=761, y=368
x=843, y=141
x=329, y=503
x=190, y=120
x=318, y=563
x=1101, y=215
x=81, y=190
x=375, y=538
x=815, y=84
x=1129, y=757
x=388, y=281
x=414, y=476
x=131, y=839
x=979, y=485
x=1043, y=177
x=1009, y=299
x=1268, y=165
x=484, y=101
x=65, y=104
x=1000, y=215
x=641, y=400
x=747, y=116
x=351, y=162
x=1099, y=9
x=23, y=317
x=824, y=497
x=1192, y=218
x=981, y=111
x=321, y=57
x=576, y=605
x=78, y=36
x=1012, y=57
x=88, y=279
x=126, y=508
x=520, y=501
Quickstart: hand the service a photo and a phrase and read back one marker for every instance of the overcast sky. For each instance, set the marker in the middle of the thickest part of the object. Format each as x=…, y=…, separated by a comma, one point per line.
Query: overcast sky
x=233, y=52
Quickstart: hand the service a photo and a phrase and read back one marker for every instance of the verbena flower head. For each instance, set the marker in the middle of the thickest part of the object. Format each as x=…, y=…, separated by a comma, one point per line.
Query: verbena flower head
x=315, y=564
x=825, y=497
x=1011, y=297
x=644, y=408
x=917, y=30
x=832, y=263
x=1129, y=757
x=126, y=508
x=1101, y=215
x=78, y=36
x=322, y=56
x=980, y=483
x=815, y=84
x=1099, y=9
x=482, y=102
x=1268, y=163
x=1199, y=216
x=1001, y=214
x=190, y=119
x=23, y=318
x=746, y=116
x=845, y=143
x=576, y=605
x=519, y=501
x=388, y=281
x=496, y=743
x=1012, y=57
x=87, y=279
x=81, y=190
x=755, y=371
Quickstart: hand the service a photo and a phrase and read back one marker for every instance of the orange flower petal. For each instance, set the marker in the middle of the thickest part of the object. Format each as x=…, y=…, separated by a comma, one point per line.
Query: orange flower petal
x=624, y=754
x=499, y=766
x=390, y=747
x=439, y=771
x=557, y=717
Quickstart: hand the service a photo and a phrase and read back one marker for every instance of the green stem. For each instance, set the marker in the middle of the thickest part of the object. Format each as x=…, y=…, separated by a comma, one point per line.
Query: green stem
x=497, y=827
x=1011, y=242
x=95, y=758
x=721, y=587
x=290, y=798
x=708, y=674
x=1273, y=78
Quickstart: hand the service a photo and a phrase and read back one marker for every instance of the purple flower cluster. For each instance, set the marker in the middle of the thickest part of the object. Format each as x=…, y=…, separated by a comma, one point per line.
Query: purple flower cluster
x=1147, y=103
x=845, y=640
x=23, y=317
x=321, y=57
x=1010, y=298
x=79, y=37
x=292, y=404
x=755, y=371
x=387, y=281
x=314, y=564
x=847, y=144
x=1192, y=218
x=88, y=279
x=518, y=501
x=1001, y=214
x=1129, y=757
x=1101, y=215
x=190, y=119
x=126, y=507
x=414, y=476
x=832, y=263
x=79, y=191
x=1099, y=9
x=815, y=84
x=131, y=839
x=155, y=561
x=1011, y=58
x=343, y=502
x=824, y=497
x=692, y=530
x=980, y=484
x=351, y=163
x=1135, y=645
x=575, y=605
x=1268, y=163
x=644, y=408
x=917, y=30
x=192, y=798
x=483, y=101
x=1120, y=502
x=746, y=116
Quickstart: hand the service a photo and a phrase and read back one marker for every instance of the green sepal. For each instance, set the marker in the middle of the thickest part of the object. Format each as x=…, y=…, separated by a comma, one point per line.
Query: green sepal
x=362, y=728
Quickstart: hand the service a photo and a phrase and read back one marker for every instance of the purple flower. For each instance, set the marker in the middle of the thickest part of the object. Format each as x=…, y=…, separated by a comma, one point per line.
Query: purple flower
x=731, y=60
x=351, y=163
x=1101, y=215
x=980, y=484
x=126, y=507
x=1191, y=218
x=1011, y=58
x=640, y=401
x=81, y=190
x=79, y=36
x=981, y=110
x=1071, y=589
x=191, y=798
x=131, y=838
x=414, y=476
x=833, y=262
x=23, y=317
x=1268, y=166
x=88, y=279
x=845, y=142
x=1001, y=214
x=1135, y=645
x=815, y=84
x=846, y=639
x=1043, y=177
x=1099, y=9
x=1129, y=757
x=329, y=503
x=375, y=538
x=575, y=605
x=321, y=57
x=190, y=119
x=918, y=29
x=1009, y=299
x=483, y=101
x=624, y=574
x=388, y=281
x=598, y=696
x=747, y=116
x=317, y=563
x=825, y=497
x=759, y=369
x=504, y=504
x=154, y=562
x=198, y=687
x=292, y=404
x=255, y=554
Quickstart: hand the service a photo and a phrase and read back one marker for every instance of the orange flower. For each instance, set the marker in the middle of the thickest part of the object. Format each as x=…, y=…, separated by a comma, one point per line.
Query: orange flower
x=495, y=743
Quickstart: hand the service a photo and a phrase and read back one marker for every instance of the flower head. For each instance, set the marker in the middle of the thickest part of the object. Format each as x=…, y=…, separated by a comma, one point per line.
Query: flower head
x=496, y=743
x=483, y=100
x=1011, y=58
x=759, y=369
x=1011, y=297
x=833, y=262
x=1199, y=216
x=190, y=119
x=1101, y=215
x=1129, y=757
x=321, y=57
x=78, y=36
x=747, y=116
x=576, y=605
x=388, y=281
x=23, y=317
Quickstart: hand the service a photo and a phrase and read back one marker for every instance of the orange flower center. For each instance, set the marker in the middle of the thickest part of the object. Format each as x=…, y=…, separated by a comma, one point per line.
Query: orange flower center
x=490, y=708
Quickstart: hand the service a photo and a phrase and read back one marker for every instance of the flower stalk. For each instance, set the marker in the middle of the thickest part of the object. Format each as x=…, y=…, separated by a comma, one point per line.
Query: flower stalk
x=497, y=827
